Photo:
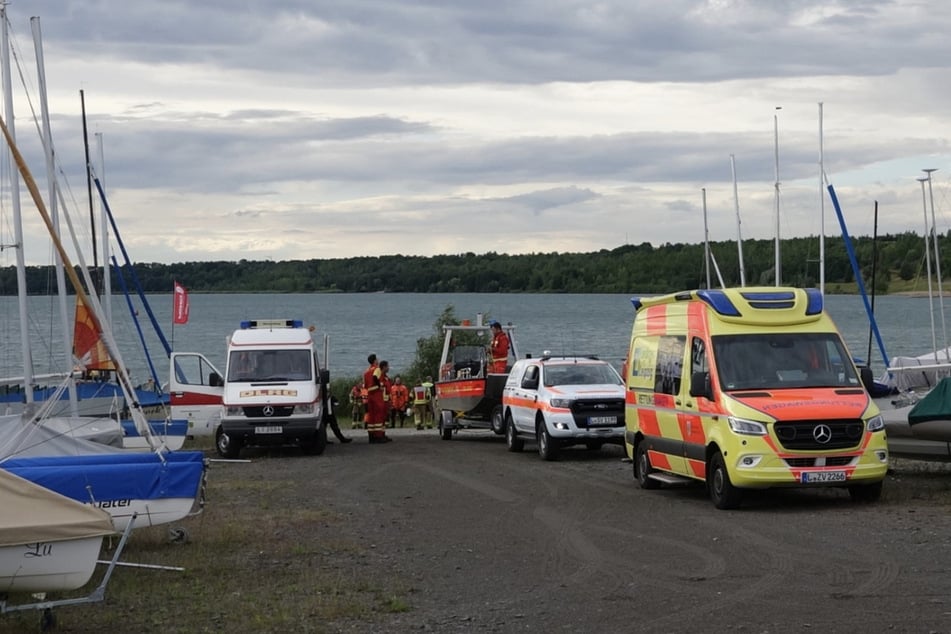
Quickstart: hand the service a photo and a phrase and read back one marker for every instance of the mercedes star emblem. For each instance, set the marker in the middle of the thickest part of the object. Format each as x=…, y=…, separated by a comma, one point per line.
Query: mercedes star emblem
x=822, y=434
x=269, y=411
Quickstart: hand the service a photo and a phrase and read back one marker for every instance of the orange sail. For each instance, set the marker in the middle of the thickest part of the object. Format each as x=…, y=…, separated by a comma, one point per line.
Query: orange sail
x=88, y=347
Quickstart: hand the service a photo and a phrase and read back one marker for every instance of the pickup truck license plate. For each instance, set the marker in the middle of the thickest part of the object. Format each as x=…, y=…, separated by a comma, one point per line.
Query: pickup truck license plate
x=822, y=476
x=602, y=420
x=268, y=430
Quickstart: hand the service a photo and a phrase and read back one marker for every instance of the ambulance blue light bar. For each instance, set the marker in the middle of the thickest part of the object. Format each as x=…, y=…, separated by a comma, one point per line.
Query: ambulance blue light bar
x=251, y=324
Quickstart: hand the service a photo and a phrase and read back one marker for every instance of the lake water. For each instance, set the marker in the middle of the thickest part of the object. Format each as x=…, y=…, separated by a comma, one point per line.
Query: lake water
x=389, y=324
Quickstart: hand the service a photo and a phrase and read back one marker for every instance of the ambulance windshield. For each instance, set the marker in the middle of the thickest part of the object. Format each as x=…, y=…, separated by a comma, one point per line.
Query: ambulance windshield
x=787, y=360
x=270, y=365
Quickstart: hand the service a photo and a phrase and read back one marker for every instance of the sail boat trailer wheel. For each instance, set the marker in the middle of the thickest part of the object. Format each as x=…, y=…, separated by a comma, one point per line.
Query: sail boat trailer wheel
x=446, y=424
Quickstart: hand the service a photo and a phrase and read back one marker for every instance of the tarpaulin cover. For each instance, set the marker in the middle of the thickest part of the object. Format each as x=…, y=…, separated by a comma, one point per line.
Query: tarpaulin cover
x=123, y=476
x=32, y=513
x=935, y=405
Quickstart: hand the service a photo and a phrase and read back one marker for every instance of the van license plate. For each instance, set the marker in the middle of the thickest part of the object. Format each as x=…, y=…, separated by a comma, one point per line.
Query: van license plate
x=822, y=476
x=602, y=420
x=268, y=430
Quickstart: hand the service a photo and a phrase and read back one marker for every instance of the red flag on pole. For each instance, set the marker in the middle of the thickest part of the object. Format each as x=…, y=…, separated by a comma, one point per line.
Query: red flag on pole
x=180, y=305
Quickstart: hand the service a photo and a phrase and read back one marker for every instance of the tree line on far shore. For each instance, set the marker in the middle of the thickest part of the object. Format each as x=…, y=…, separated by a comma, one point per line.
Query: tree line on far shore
x=895, y=260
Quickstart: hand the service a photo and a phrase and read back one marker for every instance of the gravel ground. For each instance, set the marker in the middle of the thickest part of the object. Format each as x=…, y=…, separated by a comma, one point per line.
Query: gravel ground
x=480, y=539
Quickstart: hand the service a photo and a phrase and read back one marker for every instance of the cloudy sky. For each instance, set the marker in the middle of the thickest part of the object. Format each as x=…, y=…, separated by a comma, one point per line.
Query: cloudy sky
x=297, y=129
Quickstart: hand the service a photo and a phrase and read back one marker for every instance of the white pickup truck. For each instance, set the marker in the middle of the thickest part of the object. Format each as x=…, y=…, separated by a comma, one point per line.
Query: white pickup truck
x=562, y=401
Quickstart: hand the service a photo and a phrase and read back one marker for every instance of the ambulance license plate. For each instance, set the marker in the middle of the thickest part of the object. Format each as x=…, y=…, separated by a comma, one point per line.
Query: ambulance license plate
x=602, y=420
x=810, y=477
x=268, y=430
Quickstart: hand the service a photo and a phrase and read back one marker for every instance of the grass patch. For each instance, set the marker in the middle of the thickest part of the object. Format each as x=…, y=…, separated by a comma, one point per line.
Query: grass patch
x=263, y=556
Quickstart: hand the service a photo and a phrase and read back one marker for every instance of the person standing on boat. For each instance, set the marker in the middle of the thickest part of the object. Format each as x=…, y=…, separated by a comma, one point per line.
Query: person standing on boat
x=399, y=399
x=498, y=349
x=376, y=406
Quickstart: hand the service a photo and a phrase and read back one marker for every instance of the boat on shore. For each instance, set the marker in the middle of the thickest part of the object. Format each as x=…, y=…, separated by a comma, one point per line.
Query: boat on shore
x=468, y=393
x=48, y=542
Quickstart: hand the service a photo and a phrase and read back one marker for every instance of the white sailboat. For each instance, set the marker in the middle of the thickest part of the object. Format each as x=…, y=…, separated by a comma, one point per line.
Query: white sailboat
x=48, y=542
x=158, y=485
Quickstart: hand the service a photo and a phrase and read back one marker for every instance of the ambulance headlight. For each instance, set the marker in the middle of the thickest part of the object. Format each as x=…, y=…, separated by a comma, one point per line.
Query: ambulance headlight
x=561, y=402
x=875, y=423
x=233, y=410
x=306, y=408
x=747, y=427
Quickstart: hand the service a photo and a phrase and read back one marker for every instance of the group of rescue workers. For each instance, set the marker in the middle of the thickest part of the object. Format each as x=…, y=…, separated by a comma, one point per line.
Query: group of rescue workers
x=379, y=401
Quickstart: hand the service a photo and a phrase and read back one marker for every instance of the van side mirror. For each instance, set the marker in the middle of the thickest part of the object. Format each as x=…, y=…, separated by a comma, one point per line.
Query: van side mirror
x=868, y=380
x=700, y=385
x=324, y=376
x=214, y=380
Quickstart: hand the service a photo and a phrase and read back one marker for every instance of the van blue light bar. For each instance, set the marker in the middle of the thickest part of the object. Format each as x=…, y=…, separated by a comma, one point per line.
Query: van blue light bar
x=251, y=324
x=719, y=301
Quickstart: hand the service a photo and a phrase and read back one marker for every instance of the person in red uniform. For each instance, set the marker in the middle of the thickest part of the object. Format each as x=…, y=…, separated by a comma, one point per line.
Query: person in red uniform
x=498, y=349
x=376, y=406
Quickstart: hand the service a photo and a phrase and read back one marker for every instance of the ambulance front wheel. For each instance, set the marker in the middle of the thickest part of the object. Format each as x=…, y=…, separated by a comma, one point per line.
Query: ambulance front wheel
x=226, y=446
x=643, y=468
x=722, y=492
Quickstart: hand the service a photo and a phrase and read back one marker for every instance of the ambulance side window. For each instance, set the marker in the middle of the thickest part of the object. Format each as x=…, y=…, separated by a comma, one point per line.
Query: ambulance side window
x=698, y=356
x=670, y=359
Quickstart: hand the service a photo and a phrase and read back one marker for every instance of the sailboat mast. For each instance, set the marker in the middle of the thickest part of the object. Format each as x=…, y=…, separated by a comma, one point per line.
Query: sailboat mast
x=92, y=216
x=54, y=213
x=822, y=214
x=924, y=205
x=27, y=355
x=95, y=314
x=779, y=275
x=706, y=236
x=104, y=224
x=739, y=235
x=937, y=261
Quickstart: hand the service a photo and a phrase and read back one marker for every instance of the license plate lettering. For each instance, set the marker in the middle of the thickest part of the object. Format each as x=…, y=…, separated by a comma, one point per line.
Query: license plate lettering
x=811, y=477
x=602, y=420
x=273, y=429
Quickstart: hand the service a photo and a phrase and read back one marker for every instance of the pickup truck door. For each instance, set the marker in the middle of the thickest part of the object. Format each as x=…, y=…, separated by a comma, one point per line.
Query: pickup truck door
x=524, y=406
x=195, y=389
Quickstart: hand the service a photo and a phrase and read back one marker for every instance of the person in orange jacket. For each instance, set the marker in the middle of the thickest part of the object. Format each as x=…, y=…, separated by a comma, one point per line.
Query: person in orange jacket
x=358, y=405
x=399, y=399
x=498, y=349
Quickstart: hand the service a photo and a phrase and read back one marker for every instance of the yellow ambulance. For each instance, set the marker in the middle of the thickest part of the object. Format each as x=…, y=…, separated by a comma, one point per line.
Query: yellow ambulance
x=748, y=388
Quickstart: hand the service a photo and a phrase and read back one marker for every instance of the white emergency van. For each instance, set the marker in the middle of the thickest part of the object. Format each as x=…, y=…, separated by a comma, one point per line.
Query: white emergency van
x=275, y=391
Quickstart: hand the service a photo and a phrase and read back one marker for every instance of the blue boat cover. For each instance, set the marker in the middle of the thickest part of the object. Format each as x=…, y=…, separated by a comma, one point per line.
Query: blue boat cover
x=174, y=427
x=115, y=477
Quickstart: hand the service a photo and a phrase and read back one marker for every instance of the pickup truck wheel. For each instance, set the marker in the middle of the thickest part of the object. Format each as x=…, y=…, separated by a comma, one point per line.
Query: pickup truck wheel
x=722, y=492
x=512, y=440
x=444, y=432
x=547, y=446
x=643, y=468
x=226, y=446
x=498, y=423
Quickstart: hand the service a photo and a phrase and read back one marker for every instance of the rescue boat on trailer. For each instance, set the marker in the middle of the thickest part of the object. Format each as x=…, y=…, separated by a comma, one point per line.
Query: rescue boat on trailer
x=468, y=394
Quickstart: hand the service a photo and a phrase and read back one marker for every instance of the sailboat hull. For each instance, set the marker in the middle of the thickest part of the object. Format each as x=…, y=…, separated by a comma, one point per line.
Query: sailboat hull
x=48, y=566
x=161, y=488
